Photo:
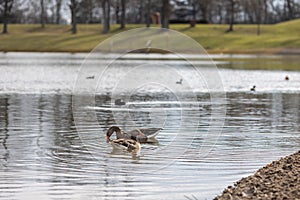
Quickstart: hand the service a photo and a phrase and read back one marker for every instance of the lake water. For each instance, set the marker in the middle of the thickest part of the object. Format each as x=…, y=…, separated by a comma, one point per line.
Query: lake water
x=52, y=140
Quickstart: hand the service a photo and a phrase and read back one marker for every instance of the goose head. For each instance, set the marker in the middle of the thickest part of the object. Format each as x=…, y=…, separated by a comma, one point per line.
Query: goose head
x=111, y=130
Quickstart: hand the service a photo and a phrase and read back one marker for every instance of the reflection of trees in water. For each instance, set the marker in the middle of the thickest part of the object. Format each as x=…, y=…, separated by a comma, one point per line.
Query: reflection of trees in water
x=291, y=110
x=285, y=112
x=4, y=128
x=249, y=113
x=58, y=139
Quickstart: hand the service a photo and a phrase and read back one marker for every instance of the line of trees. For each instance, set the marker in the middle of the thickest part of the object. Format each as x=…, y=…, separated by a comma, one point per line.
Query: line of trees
x=147, y=11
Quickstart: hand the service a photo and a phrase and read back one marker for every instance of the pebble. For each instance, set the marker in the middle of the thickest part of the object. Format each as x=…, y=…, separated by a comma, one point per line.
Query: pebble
x=277, y=180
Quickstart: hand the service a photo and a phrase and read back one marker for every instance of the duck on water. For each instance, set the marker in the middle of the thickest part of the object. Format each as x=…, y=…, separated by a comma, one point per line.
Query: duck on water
x=130, y=141
x=141, y=135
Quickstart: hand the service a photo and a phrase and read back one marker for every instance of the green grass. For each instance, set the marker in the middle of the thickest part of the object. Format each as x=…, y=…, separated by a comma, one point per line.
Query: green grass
x=213, y=38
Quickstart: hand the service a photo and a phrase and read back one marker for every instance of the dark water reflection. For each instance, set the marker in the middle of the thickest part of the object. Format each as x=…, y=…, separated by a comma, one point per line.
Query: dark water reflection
x=42, y=155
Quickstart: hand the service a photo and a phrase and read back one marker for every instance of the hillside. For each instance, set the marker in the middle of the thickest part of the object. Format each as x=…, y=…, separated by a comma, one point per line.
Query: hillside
x=273, y=38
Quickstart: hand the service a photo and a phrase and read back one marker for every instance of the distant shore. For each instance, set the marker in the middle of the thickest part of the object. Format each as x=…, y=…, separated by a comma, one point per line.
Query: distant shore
x=278, y=180
x=282, y=38
x=294, y=51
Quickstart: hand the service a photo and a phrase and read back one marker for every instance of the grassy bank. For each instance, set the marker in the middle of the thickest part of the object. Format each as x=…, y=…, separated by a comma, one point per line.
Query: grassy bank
x=273, y=39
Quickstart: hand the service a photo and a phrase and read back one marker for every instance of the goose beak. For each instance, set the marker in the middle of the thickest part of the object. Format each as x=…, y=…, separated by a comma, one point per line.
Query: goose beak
x=107, y=139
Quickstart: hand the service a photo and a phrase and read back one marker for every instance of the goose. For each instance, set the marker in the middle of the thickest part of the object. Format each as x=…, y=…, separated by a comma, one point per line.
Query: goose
x=124, y=144
x=141, y=135
x=253, y=88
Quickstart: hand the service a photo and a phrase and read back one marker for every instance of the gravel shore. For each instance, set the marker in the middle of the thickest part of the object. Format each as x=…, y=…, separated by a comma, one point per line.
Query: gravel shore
x=278, y=180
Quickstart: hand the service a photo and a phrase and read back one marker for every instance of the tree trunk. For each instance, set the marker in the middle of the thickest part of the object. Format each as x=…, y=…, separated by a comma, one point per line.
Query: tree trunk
x=259, y=15
x=7, y=8
x=123, y=9
x=290, y=9
x=5, y=17
x=232, y=4
x=74, y=7
x=165, y=13
x=117, y=10
x=141, y=13
x=58, y=8
x=148, y=20
x=220, y=12
x=106, y=15
x=204, y=10
x=42, y=14
x=266, y=14
x=193, y=21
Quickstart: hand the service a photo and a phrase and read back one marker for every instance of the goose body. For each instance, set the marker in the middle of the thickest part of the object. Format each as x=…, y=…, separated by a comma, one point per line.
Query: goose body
x=125, y=145
x=142, y=135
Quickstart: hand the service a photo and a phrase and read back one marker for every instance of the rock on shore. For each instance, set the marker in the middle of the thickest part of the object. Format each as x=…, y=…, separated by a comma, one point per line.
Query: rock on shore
x=278, y=180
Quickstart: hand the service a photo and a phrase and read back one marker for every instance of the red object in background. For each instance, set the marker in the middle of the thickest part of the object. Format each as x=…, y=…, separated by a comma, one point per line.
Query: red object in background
x=156, y=18
x=287, y=78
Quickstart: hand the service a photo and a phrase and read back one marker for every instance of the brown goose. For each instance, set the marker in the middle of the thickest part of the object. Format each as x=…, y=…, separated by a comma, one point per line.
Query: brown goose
x=124, y=144
x=142, y=135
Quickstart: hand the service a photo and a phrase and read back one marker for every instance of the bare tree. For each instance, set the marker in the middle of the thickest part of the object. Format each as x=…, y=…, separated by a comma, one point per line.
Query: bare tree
x=194, y=13
x=148, y=15
x=266, y=12
x=231, y=11
x=141, y=15
x=219, y=6
x=86, y=13
x=258, y=11
x=136, y=11
x=117, y=10
x=123, y=14
x=106, y=15
x=165, y=13
x=43, y=17
x=204, y=8
x=6, y=11
x=74, y=8
x=58, y=8
x=290, y=9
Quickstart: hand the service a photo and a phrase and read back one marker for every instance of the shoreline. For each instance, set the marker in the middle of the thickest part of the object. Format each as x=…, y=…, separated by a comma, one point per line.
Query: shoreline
x=277, y=180
x=281, y=51
x=230, y=60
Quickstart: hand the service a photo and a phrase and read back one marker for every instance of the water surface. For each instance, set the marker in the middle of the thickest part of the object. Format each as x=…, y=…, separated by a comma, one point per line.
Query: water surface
x=42, y=154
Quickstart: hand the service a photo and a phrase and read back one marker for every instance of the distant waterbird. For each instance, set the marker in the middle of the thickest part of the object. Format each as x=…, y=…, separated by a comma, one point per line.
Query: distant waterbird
x=179, y=82
x=90, y=77
x=119, y=102
x=253, y=88
x=287, y=78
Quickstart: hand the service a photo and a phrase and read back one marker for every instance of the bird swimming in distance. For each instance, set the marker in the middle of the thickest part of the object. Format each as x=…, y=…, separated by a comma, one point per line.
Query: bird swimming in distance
x=90, y=77
x=119, y=102
x=253, y=88
x=179, y=82
x=287, y=78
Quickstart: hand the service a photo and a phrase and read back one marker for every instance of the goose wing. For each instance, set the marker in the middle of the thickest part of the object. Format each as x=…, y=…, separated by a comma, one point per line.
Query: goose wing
x=150, y=132
x=125, y=144
x=137, y=135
